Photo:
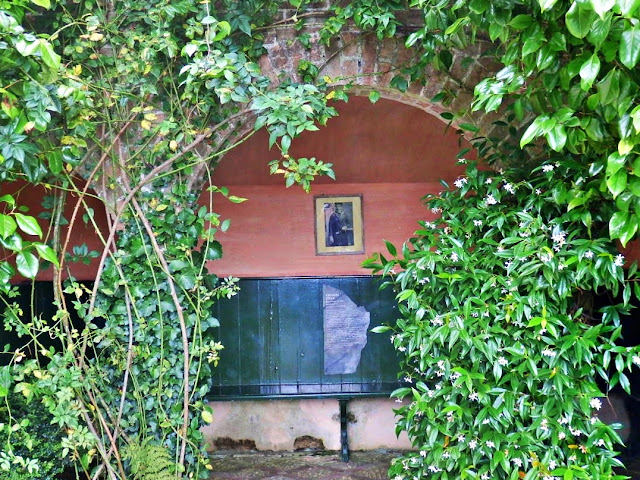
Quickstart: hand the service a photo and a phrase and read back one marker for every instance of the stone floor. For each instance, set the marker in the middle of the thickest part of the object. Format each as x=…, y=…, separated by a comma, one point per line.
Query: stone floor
x=373, y=465
x=300, y=466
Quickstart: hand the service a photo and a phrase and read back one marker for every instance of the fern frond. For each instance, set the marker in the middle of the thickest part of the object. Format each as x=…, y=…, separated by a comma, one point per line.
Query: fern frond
x=150, y=462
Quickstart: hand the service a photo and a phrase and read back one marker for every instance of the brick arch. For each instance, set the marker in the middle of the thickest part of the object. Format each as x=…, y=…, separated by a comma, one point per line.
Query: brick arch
x=368, y=63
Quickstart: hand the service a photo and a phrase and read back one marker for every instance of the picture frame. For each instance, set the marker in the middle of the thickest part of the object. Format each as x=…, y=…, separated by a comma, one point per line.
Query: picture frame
x=339, y=224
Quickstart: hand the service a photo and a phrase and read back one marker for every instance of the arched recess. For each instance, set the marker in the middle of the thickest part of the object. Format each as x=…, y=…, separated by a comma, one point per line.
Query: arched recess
x=390, y=153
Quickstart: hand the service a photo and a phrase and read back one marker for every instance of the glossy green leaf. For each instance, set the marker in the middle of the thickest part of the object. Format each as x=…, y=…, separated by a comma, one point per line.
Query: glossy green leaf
x=601, y=7
x=630, y=46
x=5, y=380
x=27, y=264
x=589, y=71
x=7, y=225
x=46, y=253
x=28, y=225
x=617, y=183
x=579, y=19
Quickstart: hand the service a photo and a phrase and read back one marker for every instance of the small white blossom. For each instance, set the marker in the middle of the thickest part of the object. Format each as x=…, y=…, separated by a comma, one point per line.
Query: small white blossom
x=402, y=349
x=619, y=260
x=460, y=182
x=461, y=438
x=477, y=223
x=509, y=188
x=436, y=209
x=486, y=421
x=473, y=396
x=434, y=469
x=517, y=462
x=489, y=181
x=562, y=436
x=508, y=263
x=441, y=364
x=454, y=257
x=573, y=458
x=446, y=454
x=548, y=353
x=547, y=168
x=502, y=361
x=485, y=476
x=552, y=464
x=473, y=444
x=563, y=421
x=636, y=360
x=490, y=444
x=423, y=453
x=538, y=191
x=490, y=200
x=600, y=442
x=595, y=403
x=408, y=379
x=588, y=254
x=559, y=237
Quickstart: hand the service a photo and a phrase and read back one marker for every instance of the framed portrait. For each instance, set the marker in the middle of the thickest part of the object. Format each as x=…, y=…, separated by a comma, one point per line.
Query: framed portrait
x=339, y=226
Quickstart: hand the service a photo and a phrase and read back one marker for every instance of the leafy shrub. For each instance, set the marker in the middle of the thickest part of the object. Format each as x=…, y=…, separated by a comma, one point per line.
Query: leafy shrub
x=27, y=433
x=500, y=347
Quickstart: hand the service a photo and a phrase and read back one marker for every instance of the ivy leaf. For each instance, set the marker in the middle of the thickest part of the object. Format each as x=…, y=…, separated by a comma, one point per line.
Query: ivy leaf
x=579, y=20
x=629, y=51
x=42, y=3
x=27, y=264
x=374, y=96
x=534, y=130
x=28, y=225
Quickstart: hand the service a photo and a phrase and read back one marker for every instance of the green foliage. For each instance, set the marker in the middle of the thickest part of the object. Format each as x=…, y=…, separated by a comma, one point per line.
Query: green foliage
x=149, y=462
x=33, y=448
x=502, y=347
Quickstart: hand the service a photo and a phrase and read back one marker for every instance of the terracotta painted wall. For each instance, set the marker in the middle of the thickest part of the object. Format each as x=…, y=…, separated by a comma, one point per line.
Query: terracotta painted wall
x=390, y=153
x=32, y=197
x=272, y=234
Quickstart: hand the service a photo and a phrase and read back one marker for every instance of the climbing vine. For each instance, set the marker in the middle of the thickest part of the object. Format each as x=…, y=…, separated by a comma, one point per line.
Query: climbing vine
x=132, y=103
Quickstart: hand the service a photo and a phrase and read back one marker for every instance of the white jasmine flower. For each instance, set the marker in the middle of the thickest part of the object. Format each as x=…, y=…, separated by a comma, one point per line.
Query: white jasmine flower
x=552, y=464
x=588, y=254
x=548, y=353
x=559, y=237
x=509, y=188
x=446, y=454
x=436, y=209
x=517, y=462
x=619, y=261
x=434, y=469
x=486, y=421
x=454, y=257
x=562, y=436
x=490, y=444
x=485, y=476
x=636, y=360
x=461, y=438
x=473, y=396
x=477, y=223
x=600, y=442
x=508, y=263
x=441, y=364
x=547, y=168
x=490, y=200
x=595, y=403
x=473, y=444
x=561, y=266
x=408, y=379
x=563, y=421
x=538, y=191
x=573, y=458
x=460, y=182
x=402, y=349
x=502, y=361
x=489, y=181
x=423, y=453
